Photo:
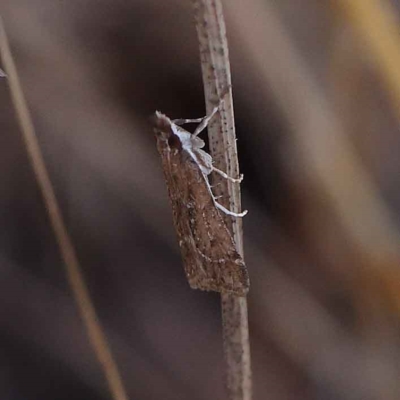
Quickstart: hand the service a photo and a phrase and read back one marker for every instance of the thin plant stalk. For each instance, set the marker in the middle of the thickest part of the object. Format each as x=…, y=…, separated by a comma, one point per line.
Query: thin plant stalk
x=377, y=23
x=215, y=65
x=74, y=273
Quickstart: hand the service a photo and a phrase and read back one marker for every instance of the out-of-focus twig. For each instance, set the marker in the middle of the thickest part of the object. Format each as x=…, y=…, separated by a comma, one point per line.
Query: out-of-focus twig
x=377, y=23
x=215, y=65
x=95, y=332
x=329, y=166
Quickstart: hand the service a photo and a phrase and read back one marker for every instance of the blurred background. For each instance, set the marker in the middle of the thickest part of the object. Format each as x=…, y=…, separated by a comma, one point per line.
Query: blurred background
x=317, y=106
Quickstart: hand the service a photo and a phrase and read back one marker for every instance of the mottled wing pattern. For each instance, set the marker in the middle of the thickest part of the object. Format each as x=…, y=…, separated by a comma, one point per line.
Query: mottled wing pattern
x=209, y=255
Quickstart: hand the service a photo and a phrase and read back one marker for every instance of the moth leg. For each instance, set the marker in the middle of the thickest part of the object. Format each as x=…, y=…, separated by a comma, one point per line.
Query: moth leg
x=204, y=121
x=226, y=176
x=187, y=121
x=228, y=212
x=220, y=206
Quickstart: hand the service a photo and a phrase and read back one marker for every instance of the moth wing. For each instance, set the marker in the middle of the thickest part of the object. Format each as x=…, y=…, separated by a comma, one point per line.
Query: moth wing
x=210, y=258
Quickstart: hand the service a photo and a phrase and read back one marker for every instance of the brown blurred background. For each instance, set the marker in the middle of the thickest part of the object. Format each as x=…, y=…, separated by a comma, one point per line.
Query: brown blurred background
x=319, y=145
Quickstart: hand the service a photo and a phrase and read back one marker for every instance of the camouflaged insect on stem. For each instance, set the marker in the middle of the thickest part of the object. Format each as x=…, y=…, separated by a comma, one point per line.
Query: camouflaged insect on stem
x=210, y=258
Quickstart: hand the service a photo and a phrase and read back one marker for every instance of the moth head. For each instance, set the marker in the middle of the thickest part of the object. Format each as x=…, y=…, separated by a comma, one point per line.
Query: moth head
x=164, y=131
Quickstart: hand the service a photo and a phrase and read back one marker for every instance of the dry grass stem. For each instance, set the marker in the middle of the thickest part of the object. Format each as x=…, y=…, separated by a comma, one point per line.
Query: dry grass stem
x=217, y=79
x=75, y=277
x=377, y=23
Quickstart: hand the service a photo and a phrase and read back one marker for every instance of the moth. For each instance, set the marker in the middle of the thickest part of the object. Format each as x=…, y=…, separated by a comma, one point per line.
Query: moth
x=209, y=254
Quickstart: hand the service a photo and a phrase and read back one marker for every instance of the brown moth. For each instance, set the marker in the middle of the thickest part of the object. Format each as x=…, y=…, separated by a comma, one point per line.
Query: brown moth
x=210, y=258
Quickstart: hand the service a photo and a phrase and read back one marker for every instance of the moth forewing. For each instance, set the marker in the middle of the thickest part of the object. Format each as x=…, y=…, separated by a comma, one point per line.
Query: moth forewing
x=210, y=258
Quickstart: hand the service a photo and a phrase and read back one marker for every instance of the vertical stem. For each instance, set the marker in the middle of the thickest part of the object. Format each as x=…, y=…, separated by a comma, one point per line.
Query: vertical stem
x=377, y=23
x=74, y=272
x=217, y=79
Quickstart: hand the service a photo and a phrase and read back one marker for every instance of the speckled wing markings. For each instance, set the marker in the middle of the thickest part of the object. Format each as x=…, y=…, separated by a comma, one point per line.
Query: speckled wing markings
x=209, y=255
